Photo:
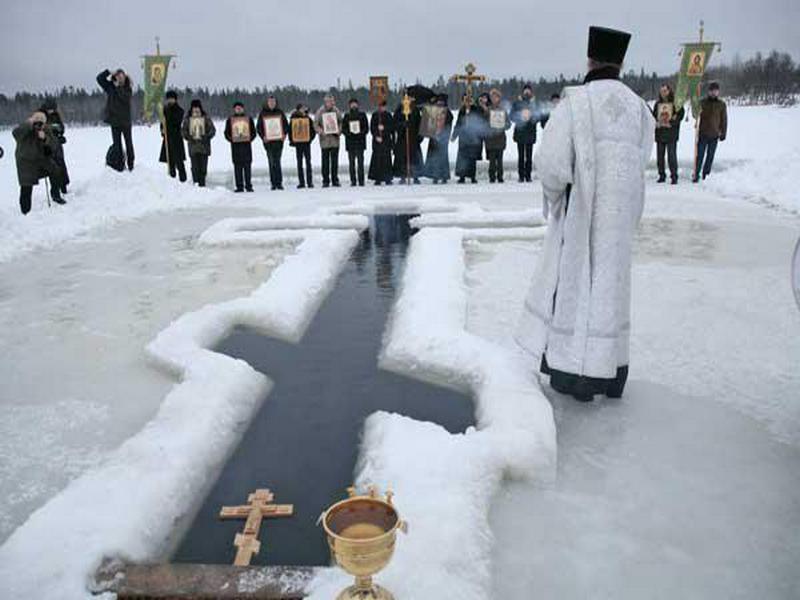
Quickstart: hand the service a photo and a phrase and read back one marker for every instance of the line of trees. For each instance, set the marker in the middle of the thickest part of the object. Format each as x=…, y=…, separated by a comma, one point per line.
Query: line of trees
x=774, y=79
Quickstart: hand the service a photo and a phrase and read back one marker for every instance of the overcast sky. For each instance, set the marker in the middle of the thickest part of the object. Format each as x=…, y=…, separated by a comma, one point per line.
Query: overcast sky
x=45, y=44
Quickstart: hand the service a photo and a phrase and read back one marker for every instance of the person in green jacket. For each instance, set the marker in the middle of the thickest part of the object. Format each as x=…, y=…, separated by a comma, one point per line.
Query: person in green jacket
x=35, y=155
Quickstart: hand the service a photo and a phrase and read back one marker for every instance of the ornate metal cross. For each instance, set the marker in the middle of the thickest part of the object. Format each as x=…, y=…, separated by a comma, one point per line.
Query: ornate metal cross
x=468, y=77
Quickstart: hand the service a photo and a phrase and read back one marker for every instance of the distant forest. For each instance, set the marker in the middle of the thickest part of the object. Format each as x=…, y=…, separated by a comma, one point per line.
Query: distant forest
x=772, y=79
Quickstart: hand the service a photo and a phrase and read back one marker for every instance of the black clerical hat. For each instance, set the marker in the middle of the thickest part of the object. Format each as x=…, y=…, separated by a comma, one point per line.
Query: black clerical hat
x=608, y=45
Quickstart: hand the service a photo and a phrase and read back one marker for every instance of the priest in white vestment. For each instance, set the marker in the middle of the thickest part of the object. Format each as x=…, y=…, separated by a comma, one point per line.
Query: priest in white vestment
x=591, y=163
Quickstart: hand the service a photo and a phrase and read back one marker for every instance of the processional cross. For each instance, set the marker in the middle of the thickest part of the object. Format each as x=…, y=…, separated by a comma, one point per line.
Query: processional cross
x=259, y=507
x=468, y=77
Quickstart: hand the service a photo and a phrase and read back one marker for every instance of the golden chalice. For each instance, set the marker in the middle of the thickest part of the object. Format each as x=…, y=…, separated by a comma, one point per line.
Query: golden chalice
x=361, y=533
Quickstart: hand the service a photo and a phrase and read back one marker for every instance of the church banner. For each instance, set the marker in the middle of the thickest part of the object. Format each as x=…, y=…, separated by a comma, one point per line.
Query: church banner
x=693, y=66
x=378, y=89
x=156, y=68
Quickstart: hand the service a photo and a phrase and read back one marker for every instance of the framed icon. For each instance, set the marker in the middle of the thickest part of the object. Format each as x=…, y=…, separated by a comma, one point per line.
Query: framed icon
x=273, y=128
x=497, y=119
x=240, y=129
x=301, y=130
x=355, y=127
x=665, y=112
x=197, y=127
x=330, y=123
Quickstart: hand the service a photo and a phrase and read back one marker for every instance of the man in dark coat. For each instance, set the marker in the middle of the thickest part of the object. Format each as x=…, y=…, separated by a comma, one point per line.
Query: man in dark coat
x=172, y=150
x=407, y=150
x=56, y=124
x=713, y=128
x=302, y=123
x=36, y=146
x=197, y=129
x=499, y=123
x=118, y=91
x=668, y=126
x=382, y=129
x=273, y=140
x=468, y=131
x=437, y=161
x=240, y=131
x=354, y=127
x=524, y=115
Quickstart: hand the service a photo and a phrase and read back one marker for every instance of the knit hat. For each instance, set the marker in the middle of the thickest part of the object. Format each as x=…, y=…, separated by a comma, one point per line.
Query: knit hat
x=171, y=94
x=196, y=104
x=714, y=85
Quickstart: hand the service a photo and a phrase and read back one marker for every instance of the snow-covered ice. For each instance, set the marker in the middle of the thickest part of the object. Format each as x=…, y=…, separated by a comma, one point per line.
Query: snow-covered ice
x=688, y=486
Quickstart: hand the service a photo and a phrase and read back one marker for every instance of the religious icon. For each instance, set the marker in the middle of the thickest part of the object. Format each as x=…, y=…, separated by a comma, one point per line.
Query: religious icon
x=355, y=127
x=273, y=129
x=525, y=114
x=497, y=119
x=240, y=129
x=197, y=127
x=665, y=112
x=156, y=74
x=378, y=88
x=430, y=116
x=697, y=61
x=301, y=130
x=330, y=123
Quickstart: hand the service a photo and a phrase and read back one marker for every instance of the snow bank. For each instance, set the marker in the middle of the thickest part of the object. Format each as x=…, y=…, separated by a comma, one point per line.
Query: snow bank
x=444, y=482
x=481, y=218
x=103, y=200
x=132, y=505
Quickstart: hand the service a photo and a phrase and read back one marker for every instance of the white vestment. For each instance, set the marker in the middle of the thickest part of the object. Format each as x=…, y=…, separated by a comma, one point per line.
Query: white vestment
x=596, y=144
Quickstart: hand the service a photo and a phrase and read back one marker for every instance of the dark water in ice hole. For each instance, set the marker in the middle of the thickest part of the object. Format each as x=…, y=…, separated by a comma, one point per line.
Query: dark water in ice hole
x=303, y=443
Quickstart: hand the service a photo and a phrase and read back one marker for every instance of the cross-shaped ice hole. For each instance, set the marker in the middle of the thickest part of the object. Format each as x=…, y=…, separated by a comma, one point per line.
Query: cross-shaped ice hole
x=304, y=442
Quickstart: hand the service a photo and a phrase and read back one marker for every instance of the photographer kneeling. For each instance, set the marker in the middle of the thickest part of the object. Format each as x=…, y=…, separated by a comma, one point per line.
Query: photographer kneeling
x=37, y=147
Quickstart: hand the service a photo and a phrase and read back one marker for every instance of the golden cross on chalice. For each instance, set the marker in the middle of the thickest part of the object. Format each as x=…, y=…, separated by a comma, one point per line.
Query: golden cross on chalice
x=361, y=534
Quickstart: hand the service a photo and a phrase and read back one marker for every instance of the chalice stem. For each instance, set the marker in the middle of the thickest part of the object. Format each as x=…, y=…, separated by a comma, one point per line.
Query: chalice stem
x=364, y=584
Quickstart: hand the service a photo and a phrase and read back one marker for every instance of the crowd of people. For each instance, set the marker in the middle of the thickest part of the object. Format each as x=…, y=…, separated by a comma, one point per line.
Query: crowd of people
x=479, y=128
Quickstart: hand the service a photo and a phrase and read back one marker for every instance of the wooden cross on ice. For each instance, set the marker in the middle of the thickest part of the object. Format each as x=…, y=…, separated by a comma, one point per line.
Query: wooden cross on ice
x=260, y=507
x=468, y=77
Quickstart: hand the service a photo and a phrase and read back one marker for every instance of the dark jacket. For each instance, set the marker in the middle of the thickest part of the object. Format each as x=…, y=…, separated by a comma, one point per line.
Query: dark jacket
x=173, y=119
x=496, y=138
x=312, y=132
x=524, y=115
x=272, y=112
x=355, y=142
x=713, y=118
x=201, y=146
x=118, y=101
x=56, y=124
x=241, y=152
x=668, y=134
x=34, y=156
x=469, y=129
x=382, y=139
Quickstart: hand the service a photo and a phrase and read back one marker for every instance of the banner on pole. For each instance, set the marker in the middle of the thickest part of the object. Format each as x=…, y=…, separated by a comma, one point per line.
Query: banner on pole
x=156, y=67
x=694, y=61
x=378, y=89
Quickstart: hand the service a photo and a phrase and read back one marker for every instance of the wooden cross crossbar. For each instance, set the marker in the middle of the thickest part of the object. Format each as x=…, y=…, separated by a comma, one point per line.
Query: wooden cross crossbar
x=259, y=507
x=468, y=77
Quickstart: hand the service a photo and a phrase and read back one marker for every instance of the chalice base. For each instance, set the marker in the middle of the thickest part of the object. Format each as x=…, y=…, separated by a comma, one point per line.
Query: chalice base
x=354, y=592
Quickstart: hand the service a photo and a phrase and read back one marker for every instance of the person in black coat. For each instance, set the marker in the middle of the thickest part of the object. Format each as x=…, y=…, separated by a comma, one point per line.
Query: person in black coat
x=118, y=91
x=468, y=131
x=273, y=144
x=382, y=129
x=354, y=127
x=524, y=115
x=437, y=162
x=240, y=131
x=172, y=150
x=668, y=125
x=36, y=146
x=407, y=151
x=56, y=124
x=197, y=129
x=495, y=139
x=301, y=122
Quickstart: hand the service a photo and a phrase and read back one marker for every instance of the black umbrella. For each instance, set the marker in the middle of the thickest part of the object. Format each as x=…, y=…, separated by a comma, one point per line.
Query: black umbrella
x=420, y=93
